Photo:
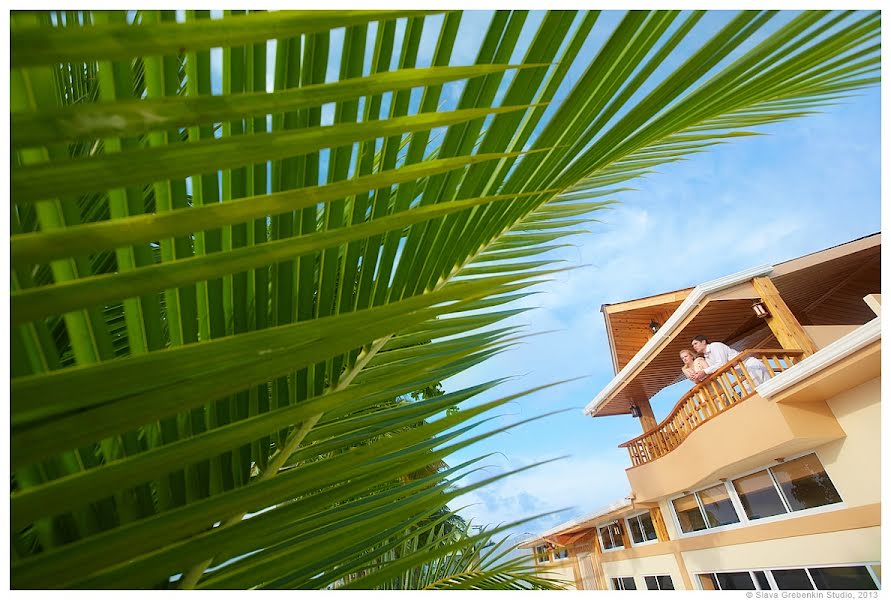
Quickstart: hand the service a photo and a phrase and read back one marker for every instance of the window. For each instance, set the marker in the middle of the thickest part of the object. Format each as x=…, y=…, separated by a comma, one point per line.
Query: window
x=623, y=583
x=641, y=529
x=658, y=582
x=788, y=487
x=708, y=508
x=542, y=553
x=825, y=578
x=854, y=577
x=736, y=580
x=560, y=553
x=611, y=536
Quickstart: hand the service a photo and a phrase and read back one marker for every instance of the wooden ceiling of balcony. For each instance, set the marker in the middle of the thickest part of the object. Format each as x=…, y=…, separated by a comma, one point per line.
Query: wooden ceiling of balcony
x=717, y=320
x=823, y=288
x=628, y=323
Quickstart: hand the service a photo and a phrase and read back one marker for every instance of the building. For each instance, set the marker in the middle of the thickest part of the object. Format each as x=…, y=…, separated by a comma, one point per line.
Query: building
x=744, y=484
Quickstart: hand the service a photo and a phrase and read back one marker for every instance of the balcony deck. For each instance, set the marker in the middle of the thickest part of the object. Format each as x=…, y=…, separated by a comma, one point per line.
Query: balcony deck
x=721, y=391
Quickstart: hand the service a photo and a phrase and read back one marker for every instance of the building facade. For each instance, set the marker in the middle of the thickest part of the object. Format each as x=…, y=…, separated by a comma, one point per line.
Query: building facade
x=766, y=474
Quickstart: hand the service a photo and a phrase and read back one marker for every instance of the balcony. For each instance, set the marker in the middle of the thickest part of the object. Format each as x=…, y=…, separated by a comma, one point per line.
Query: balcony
x=721, y=391
x=696, y=443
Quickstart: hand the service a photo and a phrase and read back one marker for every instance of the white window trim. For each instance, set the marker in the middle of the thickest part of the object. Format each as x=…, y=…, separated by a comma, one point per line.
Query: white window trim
x=767, y=572
x=554, y=554
x=600, y=538
x=731, y=496
x=631, y=537
x=744, y=520
x=536, y=554
x=622, y=589
x=656, y=575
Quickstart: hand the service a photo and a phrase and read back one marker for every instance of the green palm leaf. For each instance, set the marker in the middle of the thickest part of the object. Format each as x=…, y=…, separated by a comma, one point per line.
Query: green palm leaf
x=221, y=292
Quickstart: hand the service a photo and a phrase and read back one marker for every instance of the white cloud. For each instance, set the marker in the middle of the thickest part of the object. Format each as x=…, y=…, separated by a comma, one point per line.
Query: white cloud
x=579, y=484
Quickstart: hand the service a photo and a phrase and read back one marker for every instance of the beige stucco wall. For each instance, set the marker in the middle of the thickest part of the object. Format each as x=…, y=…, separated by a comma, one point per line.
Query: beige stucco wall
x=663, y=564
x=725, y=446
x=563, y=569
x=851, y=546
x=853, y=463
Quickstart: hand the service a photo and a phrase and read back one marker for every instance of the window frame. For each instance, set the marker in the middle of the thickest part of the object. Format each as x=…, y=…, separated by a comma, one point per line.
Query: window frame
x=600, y=538
x=656, y=576
x=536, y=554
x=613, y=587
x=554, y=553
x=773, y=584
x=631, y=537
x=731, y=495
x=735, y=500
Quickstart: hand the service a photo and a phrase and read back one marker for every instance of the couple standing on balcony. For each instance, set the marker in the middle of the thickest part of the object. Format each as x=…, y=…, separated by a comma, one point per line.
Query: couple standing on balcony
x=707, y=357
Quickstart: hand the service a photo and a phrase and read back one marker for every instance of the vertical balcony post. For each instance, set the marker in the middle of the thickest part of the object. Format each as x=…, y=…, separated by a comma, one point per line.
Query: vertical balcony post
x=647, y=418
x=782, y=322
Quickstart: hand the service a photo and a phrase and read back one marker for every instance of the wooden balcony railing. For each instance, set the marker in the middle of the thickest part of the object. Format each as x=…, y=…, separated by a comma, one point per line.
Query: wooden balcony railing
x=723, y=389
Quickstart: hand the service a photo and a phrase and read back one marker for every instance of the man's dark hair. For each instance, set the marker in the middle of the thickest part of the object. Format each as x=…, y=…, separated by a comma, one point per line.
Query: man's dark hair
x=701, y=338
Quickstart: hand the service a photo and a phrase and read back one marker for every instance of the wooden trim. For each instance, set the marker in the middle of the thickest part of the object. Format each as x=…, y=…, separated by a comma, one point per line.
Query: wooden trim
x=829, y=254
x=843, y=519
x=647, y=418
x=685, y=572
x=647, y=302
x=783, y=324
x=612, y=343
x=659, y=524
x=868, y=264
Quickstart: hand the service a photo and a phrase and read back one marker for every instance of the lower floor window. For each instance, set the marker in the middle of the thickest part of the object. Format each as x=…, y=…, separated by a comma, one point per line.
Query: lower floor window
x=658, y=582
x=857, y=577
x=622, y=583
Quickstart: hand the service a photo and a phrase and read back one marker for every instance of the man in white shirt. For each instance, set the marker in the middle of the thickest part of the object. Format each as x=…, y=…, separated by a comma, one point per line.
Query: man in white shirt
x=717, y=355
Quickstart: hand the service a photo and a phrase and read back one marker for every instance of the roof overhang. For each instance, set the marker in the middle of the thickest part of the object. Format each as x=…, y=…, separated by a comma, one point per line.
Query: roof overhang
x=575, y=530
x=666, y=333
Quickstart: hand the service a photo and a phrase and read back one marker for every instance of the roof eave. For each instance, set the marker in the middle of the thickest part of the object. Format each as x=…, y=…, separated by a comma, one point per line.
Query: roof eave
x=668, y=330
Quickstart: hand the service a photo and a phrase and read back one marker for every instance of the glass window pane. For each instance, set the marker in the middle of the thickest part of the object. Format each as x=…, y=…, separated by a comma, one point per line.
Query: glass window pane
x=618, y=536
x=761, y=578
x=615, y=583
x=665, y=582
x=792, y=579
x=634, y=527
x=842, y=578
x=689, y=515
x=805, y=483
x=650, y=582
x=542, y=554
x=628, y=583
x=605, y=538
x=708, y=581
x=718, y=507
x=758, y=495
x=735, y=581
x=649, y=530
x=560, y=553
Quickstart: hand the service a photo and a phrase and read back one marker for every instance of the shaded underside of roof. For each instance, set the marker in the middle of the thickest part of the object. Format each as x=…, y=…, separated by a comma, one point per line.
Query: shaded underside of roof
x=823, y=288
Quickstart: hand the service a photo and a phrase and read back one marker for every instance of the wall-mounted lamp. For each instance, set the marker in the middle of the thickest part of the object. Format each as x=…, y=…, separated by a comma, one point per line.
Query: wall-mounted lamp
x=635, y=411
x=760, y=310
x=654, y=326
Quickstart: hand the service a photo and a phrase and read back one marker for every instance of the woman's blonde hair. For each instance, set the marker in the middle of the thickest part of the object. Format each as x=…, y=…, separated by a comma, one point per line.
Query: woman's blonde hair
x=693, y=355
